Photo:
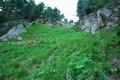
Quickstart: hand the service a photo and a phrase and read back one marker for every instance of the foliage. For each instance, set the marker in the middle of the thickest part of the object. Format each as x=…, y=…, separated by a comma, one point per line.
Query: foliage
x=58, y=54
x=2, y=18
x=39, y=10
x=88, y=6
x=28, y=10
x=52, y=15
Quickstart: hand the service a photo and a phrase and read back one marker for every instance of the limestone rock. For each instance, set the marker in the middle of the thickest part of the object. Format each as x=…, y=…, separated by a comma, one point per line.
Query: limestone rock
x=14, y=32
x=102, y=18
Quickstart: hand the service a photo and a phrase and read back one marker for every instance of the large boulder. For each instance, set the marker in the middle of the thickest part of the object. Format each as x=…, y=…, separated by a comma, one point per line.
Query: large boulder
x=102, y=18
x=13, y=33
x=89, y=23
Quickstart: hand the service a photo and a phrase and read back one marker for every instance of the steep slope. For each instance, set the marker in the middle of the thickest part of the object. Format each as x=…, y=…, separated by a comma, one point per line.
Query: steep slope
x=60, y=54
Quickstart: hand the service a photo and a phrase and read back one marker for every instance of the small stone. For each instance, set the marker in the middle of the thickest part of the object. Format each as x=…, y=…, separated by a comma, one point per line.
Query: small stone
x=19, y=38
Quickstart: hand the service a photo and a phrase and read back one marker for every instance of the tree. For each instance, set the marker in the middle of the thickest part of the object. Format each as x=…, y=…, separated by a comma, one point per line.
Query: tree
x=85, y=7
x=66, y=21
x=37, y=11
x=1, y=3
x=6, y=8
x=28, y=10
x=52, y=15
x=20, y=5
x=71, y=22
x=56, y=14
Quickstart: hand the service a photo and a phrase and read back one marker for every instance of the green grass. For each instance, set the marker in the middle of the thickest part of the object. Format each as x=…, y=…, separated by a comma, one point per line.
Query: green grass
x=58, y=54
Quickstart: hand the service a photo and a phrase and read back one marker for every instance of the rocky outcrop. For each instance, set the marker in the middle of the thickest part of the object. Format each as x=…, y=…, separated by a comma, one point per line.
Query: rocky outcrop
x=102, y=18
x=13, y=33
x=89, y=23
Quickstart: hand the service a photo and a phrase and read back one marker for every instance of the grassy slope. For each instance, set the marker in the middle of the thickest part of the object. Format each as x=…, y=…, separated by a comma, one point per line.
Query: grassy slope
x=58, y=54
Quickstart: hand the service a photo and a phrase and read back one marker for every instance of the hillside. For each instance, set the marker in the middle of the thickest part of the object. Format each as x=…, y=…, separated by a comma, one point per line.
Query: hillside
x=59, y=53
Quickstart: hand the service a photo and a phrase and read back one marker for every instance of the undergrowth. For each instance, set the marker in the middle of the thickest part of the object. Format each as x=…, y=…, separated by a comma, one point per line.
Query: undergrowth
x=60, y=54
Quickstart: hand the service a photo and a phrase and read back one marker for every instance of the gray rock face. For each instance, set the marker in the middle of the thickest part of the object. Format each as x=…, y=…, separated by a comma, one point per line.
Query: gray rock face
x=89, y=23
x=103, y=18
x=14, y=32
